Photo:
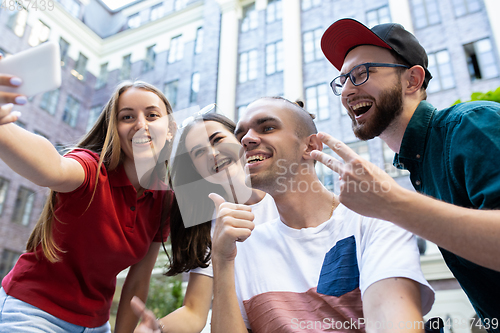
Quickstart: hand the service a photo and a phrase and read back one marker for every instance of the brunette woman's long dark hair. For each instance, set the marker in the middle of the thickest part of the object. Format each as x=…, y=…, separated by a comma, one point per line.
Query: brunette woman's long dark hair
x=191, y=247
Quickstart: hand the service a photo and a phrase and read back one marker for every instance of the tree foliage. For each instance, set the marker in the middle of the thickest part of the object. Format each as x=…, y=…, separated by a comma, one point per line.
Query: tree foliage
x=165, y=295
x=492, y=95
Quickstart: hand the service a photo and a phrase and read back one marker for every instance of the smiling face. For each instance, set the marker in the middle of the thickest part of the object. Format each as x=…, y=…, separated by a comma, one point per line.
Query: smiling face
x=374, y=105
x=142, y=124
x=269, y=137
x=215, y=152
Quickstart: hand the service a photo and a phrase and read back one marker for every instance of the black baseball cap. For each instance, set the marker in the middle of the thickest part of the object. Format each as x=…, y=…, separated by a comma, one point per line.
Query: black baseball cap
x=345, y=34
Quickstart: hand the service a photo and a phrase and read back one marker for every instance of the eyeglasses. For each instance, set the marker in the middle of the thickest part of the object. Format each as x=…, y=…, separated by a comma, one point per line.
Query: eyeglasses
x=207, y=109
x=358, y=75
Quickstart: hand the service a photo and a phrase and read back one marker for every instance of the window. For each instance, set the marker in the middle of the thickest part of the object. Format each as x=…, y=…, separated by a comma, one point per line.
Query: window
x=39, y=34
x=425, y=12
x=64, y=47
x=41, y=134
x=20, y=124
x=9, y=259
x=176, y=49
x=442, y=71
x=4, y=186
x=308, y=4
x=134, y=21
x=388, y=166
x=198, y=46
x=274, y=11
x=317, y=101
x=103, y=76
x=72, y=6
x=241, y=111
x=179, y=4
x=49, y=101
x=378, y=16
x=23, y=206
x=80, y=67
x=481, y=60
x=17, y=19
x=94, y=113
x=312, y=45
x=61, y=149
x=149, y=62
x=71, y=108
x=170, y=92
x=250, y=18
x=195, y=87
x=325, y=174
x=126, y=67
x=157, y=11
x=274, y=57
x=464, y=7
x=248, y=66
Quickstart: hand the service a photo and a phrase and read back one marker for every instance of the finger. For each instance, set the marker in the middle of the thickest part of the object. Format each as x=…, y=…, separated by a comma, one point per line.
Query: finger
x=328, y=160
x=238, y=234
x=11, y=118
x=236, y=213
x=10, y=80
x=220, y=203
x=340, y=148
x=7, y=97
x=237, y=223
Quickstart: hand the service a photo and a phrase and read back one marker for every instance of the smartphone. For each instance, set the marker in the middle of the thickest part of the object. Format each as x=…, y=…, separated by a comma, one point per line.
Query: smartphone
x=39, y=67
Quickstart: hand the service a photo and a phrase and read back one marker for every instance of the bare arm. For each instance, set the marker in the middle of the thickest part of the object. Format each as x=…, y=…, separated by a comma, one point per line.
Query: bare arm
x=136, y=284
x=192, y=316
x=369, y=191
x=395, y=302
x=234, y=223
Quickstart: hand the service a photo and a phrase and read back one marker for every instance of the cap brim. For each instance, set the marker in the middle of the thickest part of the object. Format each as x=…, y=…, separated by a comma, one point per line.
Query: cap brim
x=344, y=35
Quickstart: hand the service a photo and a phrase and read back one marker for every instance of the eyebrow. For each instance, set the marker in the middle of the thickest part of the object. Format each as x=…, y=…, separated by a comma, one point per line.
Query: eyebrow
x=209, y=139
x=257, y=122
x=132, y=109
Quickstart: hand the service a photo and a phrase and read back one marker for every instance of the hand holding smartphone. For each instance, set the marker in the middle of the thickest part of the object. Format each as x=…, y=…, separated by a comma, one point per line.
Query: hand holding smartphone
x=39, y=68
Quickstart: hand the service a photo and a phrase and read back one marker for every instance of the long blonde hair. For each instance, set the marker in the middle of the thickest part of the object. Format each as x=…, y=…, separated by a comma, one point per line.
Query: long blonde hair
x=102, y=139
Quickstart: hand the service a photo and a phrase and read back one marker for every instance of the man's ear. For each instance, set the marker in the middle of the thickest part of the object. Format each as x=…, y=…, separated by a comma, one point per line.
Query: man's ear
x=313, y=143
x=414, y=79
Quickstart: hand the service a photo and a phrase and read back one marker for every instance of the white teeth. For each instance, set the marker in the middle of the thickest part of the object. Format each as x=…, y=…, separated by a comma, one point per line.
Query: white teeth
x=141, y=140
x=256, y=158
x=221, y=164
x=360, y=105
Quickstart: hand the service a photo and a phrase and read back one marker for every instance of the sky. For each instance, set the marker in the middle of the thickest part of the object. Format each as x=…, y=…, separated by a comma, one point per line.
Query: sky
x=114, y=4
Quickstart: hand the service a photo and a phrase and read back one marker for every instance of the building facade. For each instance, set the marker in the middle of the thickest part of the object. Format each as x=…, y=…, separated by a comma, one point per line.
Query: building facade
x=232, y=52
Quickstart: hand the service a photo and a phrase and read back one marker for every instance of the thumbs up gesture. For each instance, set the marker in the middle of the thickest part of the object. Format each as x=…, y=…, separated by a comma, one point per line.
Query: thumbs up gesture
x=234, y=224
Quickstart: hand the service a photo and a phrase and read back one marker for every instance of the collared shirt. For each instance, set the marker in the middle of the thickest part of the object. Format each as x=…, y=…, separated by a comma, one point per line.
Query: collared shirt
x=454, y=155
x=100, y=240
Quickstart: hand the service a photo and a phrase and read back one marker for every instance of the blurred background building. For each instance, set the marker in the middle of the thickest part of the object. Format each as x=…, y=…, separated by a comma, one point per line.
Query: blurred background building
x=232, y=52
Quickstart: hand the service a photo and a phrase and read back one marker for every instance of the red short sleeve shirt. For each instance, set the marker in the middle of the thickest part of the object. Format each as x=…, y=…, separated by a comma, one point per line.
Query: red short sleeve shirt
x=100, y=240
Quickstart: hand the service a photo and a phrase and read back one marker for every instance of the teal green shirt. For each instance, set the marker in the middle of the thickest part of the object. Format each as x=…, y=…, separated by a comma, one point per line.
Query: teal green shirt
x=454, y=155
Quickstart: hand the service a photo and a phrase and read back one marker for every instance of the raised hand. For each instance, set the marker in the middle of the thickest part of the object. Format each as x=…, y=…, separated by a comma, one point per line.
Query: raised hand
x=364, y=187
x=234, y=224
x=10, y=81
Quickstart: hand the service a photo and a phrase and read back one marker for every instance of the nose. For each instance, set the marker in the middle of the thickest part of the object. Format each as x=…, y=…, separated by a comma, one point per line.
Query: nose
x=349, y=88
x=251, y=138
x=140, y=122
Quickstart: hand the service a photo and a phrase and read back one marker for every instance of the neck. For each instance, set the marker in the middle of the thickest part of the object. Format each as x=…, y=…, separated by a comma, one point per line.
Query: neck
x=317, y=199
x=393, y=135
x=131, y=173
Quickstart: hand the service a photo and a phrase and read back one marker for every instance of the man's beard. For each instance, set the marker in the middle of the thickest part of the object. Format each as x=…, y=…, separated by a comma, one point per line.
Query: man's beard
x=389, y=107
